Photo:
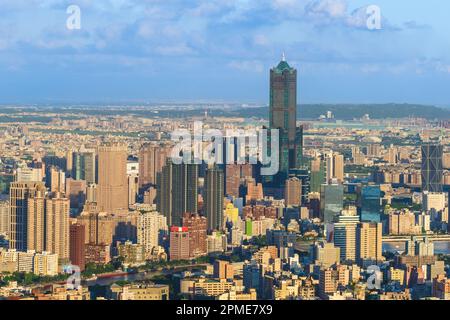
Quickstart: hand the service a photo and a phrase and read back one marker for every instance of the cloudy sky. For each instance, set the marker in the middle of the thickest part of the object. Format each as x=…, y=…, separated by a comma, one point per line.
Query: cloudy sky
x=221, y=50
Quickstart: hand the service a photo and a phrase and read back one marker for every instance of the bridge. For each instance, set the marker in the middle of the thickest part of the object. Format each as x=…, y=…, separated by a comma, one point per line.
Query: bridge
x=421, y=237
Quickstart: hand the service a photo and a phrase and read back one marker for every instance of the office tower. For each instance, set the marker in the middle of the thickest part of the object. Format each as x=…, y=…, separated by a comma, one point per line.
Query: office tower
x=369, y=198
x=317, y=174
x=338, y=165
x=197, y=226
x=112, y=178
x=36, y=221
x=369, y=240
x=179, y=243
x=84, y=166
x=345, y=234
x=334, y=167
x=77, y=245
x=326, y=254
x=57, y=214
x=214, y=198
x=152, y=158
x=151, y=227
x=223, y=270
x=56, y=180
x=177, y=191
x=331, y=201
x=283, y=113
x=293, y=192
x=432, y=171
x=18, y=199
x=4, y=217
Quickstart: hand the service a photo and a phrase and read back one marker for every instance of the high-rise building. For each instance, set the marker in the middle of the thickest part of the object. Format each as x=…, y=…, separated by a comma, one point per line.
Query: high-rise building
x=317, y=174
x=18, y=198
x=369, y=198
x=331, y=201
x=334, y=167
x=293, y=192
x=77, y=245
x=213, y=198
x=369, y=238
x=283, y=115
x=151, y=227
x=152, y=158
x=177, y=191
x=57, y=236
x=432, y=171
x=197, y=227
x=36, y=221
x=84, y=166
x=112, y=178
x=179, y=243
x=345, y=234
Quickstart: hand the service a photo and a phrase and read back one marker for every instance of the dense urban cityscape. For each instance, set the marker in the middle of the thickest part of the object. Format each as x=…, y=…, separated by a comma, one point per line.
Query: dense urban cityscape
x=95, y=204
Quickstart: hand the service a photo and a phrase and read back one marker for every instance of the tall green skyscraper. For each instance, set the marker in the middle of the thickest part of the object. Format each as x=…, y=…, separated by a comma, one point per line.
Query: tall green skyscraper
x=283, y=116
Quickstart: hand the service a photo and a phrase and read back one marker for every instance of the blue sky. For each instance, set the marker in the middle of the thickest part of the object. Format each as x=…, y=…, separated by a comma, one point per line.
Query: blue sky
x=221, y=50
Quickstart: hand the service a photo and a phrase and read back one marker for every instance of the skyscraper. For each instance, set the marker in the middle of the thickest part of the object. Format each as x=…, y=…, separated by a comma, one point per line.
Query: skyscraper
x=331, y=201
x=214, y=198
x=432, y=168
x=57, y=213
x=283, y=115
x=112, y=178
x=77, y=245
x=151, y=161
x=84, y=166
x=18, y=197
x=36, y=221
x=177, y=191
x=369, y=239
x=150, y=227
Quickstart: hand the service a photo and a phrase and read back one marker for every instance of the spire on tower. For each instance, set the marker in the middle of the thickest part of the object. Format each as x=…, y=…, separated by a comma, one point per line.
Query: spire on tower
x=283, y=57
